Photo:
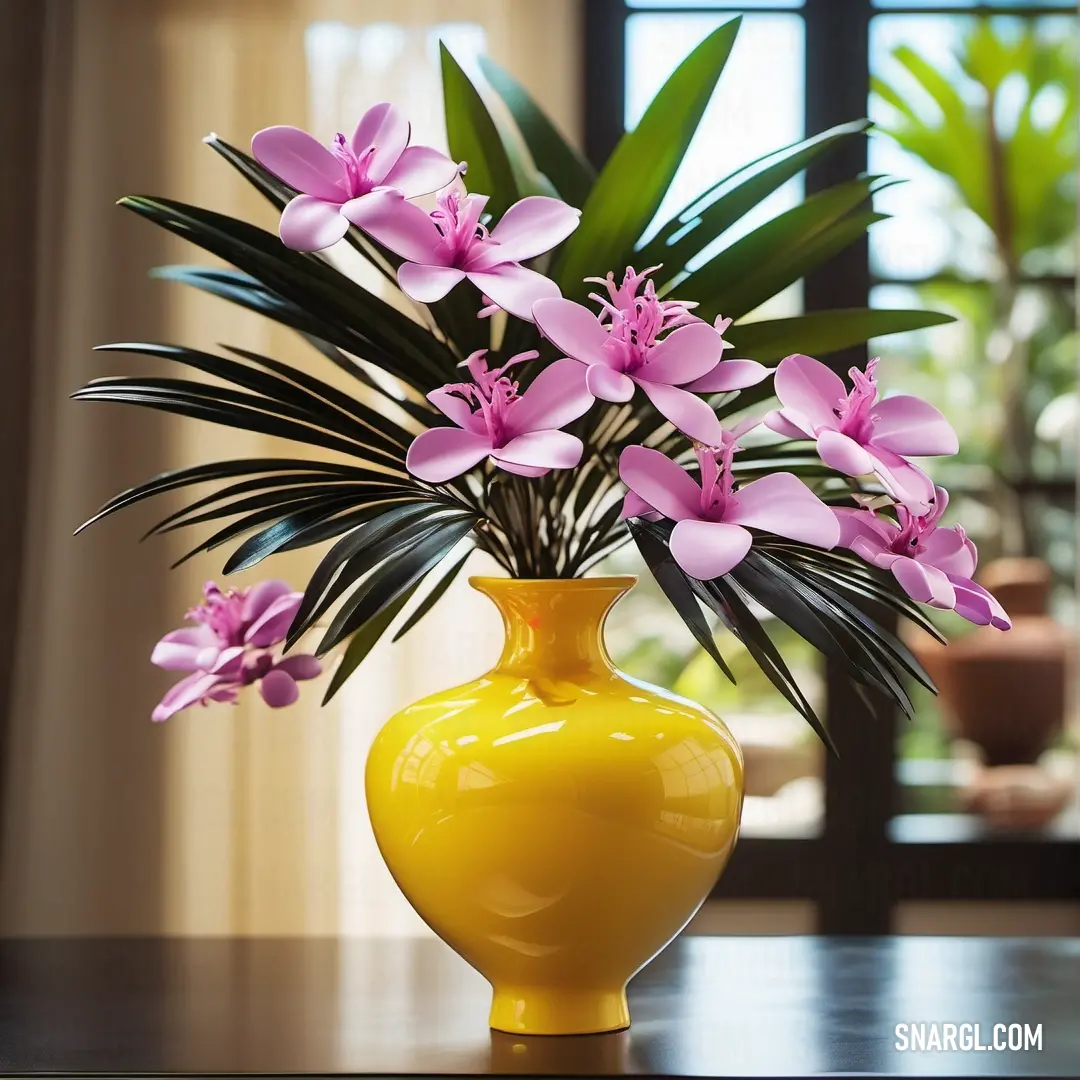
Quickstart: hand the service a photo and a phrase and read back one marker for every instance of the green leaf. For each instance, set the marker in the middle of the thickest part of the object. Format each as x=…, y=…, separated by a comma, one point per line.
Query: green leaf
x=727, y=601
x=828, y=625
x=569, y=172
x=676, y=588
x=357, y=553
x=633, y=183
x=288, y=392
x=763, y=262
x=230, y=408
x=700, y=222
x=281, y=486
x=365, y=324
x=364, y=640
x=221, y=470
x=402, y=570
x=295, y=531
x=823, y=332
x=474, y=138
x=435, y=595
x=314, y=509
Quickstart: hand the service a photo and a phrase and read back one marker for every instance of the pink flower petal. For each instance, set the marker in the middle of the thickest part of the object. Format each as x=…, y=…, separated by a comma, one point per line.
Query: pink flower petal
x=300, y=666
x=397, y=224
x=273, y=626
x=572, y=328
x=807, y=386
x=529, y=228
x=278, y=689
x=844, y=454
x=419, y=171
x=903, y=481
x=730, y=375
x=553, y=399
x=924, y=583
x=383, y=127
x=976, y=605
x=184, y=694
x=635, y=506
x=742, y=427
x=522, y=470
x=181, y=649
x=910, y=426
x=542, y=450
x=514, y=288
x=660, y=482
x=458, y=409
x=780, y=421
x=685, y=354
x=426, y=284
x=311, y=224
x=870, y=550
x=784, y=505
x=607, y=384
x=229, y=663
x=708, y=549
x=950, y=551
x=862, y=524
x=440, y=454
x=262, y=597
x=301, y=161
x=691, y=415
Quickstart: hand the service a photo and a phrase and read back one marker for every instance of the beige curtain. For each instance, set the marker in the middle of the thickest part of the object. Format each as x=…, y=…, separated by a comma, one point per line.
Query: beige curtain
x=225, y=820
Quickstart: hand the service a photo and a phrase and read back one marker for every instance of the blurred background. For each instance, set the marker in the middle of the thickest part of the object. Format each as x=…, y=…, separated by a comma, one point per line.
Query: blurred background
x=249, y=821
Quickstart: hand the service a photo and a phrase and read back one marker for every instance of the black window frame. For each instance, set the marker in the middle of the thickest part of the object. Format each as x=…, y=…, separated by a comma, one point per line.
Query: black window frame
x=854, y=871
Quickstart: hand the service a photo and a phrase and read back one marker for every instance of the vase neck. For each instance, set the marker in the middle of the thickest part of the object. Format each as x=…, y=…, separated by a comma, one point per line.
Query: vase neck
x=554, y=627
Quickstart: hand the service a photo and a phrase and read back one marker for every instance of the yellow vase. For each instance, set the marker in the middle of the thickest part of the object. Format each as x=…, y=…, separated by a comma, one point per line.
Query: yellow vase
x=555, y=822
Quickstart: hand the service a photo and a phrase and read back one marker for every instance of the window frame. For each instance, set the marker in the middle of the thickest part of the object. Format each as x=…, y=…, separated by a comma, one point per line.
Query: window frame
x=854, y=872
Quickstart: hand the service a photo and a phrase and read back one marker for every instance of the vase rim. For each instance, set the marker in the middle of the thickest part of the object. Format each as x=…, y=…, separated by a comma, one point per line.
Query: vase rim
x=615, y=581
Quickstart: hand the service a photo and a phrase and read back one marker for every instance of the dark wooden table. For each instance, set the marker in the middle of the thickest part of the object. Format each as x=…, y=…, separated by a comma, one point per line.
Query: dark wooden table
x=707, y=1007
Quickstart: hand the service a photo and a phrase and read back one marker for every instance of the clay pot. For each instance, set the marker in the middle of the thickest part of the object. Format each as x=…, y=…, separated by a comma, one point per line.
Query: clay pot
x=1006, y=692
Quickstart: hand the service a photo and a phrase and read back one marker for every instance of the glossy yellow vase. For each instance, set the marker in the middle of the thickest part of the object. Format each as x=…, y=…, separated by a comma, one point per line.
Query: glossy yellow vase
x=555, y=822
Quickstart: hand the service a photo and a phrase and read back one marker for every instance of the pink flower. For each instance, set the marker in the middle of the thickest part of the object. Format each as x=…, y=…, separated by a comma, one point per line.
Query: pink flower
x=230, y=647
x=712, y=518
x=857, y=434
x=622, y=349
x=519, y=432
x=449, y=245
x=933, y=565
x=335, y=180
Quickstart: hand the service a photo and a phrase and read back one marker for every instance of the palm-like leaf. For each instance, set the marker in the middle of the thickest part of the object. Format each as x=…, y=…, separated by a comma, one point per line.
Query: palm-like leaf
x=389, y=530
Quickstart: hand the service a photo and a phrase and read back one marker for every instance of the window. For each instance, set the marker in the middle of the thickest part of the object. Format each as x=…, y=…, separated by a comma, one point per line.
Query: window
x=883, y=825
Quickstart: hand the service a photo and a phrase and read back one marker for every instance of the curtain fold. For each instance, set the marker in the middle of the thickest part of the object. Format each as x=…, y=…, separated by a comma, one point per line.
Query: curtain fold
x=226, y=820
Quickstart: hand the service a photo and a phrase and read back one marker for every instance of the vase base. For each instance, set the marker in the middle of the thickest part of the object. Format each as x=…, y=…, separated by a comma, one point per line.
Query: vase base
x=556, y=1010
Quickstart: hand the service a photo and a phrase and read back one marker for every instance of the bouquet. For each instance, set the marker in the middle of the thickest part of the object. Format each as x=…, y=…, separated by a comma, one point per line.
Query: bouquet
x=522, y=389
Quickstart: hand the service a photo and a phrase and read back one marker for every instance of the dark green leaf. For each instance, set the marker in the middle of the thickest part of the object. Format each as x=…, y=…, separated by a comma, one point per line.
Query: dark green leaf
x=220, y=405
x=404, y=568
x=676, y=588
x=223, y=470
x=364, y=640
x=435, y=595
x=727, y=601
x=357, y=553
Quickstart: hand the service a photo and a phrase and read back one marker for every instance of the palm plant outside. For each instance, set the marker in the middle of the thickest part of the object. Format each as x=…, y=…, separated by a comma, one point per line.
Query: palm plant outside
x=1004, y=136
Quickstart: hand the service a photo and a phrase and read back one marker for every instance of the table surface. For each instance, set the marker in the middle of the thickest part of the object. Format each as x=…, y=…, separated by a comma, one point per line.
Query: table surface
x=709, y=1006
